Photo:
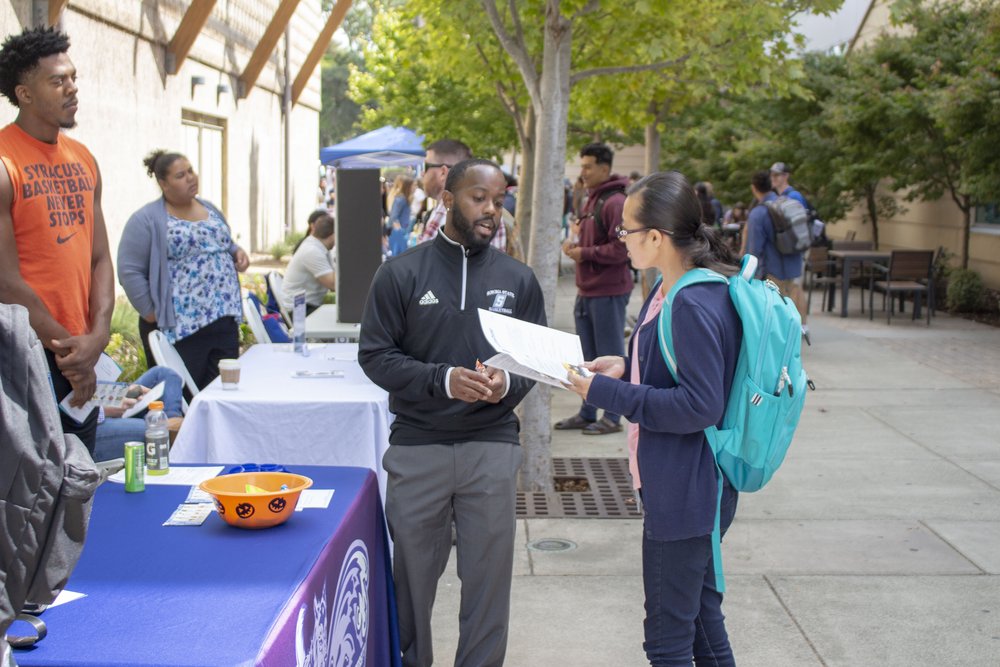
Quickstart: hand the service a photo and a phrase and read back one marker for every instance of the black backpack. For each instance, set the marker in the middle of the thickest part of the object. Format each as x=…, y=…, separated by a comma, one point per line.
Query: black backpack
x=598, y=210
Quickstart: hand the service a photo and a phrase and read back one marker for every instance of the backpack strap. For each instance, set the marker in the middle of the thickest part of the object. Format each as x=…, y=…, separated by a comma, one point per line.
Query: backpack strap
x=664, y=330
x=666, y=339
x=598, y=211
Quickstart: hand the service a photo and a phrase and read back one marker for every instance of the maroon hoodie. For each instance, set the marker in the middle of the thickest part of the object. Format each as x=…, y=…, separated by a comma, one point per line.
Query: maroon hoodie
x=603, y=266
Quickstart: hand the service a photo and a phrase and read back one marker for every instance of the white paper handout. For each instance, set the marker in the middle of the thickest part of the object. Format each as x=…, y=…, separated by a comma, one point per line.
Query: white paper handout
x=107, y=371
x=178, y=475
x=530, y=350
x=314, y=499
x=153, y=394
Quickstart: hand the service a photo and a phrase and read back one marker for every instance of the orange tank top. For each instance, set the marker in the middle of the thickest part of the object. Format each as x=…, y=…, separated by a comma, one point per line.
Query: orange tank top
x=53, y=214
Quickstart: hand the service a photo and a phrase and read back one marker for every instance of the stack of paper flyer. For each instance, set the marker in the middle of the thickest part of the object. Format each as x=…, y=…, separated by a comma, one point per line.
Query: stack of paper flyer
x=529, y=350
x=109, y=392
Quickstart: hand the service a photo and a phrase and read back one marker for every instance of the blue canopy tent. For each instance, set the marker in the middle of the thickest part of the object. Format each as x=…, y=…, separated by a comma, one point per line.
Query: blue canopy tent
x=385, y=147
x=359, y=208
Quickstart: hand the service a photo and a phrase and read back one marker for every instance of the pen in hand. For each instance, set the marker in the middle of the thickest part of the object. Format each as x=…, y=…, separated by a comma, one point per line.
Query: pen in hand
x=579, y=370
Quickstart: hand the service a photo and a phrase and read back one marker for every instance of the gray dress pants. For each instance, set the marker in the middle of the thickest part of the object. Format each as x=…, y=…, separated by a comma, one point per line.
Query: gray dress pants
x=476, y=482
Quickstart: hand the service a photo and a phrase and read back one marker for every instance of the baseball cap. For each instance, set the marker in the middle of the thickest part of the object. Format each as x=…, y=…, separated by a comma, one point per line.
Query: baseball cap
x=780, y=168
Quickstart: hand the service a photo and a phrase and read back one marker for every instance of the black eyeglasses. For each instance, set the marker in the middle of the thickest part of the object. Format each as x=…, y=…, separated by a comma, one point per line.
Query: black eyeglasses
x=435, y=165
x=621, y=232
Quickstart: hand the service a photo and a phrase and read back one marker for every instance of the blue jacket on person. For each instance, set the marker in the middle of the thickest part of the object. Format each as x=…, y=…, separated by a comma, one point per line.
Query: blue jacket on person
x=760, y=243
x=676, y=465
x=792, y=193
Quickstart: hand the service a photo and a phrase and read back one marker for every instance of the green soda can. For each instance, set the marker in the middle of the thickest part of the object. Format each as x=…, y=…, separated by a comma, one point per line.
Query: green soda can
x=135, y=467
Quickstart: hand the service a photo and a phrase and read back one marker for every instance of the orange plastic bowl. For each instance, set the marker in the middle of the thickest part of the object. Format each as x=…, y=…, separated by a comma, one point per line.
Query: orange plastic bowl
x=256, y=510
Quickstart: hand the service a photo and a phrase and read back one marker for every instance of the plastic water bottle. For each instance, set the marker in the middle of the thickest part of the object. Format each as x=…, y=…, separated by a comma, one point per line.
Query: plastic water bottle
x=157, y=440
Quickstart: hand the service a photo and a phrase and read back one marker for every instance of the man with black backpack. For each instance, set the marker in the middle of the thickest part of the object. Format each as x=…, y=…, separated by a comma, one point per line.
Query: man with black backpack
x=773, y=240
x=780, y=175
x=603, y=278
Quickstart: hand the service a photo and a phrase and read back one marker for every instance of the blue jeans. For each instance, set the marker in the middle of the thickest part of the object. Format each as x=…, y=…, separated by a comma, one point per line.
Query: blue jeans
x=113, y=433
x=684, y=617
x=600, y=323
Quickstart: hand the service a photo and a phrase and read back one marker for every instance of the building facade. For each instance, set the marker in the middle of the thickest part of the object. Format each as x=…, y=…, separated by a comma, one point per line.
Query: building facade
x=256, y=162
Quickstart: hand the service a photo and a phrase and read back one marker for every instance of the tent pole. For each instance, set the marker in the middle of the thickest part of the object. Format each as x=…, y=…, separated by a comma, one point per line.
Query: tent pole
x=287, y=105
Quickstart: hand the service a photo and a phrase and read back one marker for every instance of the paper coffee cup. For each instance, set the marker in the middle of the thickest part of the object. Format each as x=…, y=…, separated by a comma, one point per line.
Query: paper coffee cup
x=229, y=371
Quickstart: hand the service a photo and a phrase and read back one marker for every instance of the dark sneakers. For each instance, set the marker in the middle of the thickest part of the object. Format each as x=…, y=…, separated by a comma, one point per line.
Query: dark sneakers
x=573, y=423
x=602, y=426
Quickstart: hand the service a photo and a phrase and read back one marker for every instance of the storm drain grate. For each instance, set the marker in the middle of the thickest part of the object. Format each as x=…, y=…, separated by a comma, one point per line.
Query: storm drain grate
x=610, y=495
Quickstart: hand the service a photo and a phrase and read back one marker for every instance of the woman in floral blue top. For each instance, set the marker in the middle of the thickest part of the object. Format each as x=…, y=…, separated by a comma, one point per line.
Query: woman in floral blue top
x=178, y=265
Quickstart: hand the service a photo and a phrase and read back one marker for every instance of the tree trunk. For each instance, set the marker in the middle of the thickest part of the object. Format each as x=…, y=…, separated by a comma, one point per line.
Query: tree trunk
x=543, y=252
x=652, y=147
x=966, y=231
x=871, y=199
x=526, y=181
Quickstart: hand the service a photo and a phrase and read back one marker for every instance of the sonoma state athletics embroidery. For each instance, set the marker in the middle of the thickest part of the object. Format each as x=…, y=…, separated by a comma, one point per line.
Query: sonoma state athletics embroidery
x=503, y=301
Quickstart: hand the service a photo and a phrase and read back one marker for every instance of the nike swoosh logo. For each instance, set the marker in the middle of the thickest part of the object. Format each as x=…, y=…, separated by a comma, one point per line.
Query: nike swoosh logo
x=62, y=240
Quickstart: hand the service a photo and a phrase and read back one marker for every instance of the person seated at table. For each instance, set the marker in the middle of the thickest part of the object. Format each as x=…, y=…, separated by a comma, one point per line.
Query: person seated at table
x=311, y=269
x=310, y=221
x=113, y=430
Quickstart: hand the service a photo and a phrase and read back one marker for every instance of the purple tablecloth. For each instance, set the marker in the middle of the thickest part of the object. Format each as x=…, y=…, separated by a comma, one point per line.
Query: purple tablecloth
x=316, y=590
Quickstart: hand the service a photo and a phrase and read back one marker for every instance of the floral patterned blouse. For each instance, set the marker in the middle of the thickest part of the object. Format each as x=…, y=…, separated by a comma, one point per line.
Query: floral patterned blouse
x=202, y=272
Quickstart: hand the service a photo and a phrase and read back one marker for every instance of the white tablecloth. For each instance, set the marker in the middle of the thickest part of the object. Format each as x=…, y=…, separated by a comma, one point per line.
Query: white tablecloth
x=275, y=418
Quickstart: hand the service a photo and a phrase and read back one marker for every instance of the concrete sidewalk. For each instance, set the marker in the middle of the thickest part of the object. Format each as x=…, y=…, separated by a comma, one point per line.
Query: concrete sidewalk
x=877, y=543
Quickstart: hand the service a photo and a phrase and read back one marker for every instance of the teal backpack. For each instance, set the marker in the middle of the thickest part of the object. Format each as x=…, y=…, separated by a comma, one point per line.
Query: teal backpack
x=769, y=386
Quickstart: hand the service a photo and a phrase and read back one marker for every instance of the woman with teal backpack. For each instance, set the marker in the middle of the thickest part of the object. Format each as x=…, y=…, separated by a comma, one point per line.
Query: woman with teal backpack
x=671, y=460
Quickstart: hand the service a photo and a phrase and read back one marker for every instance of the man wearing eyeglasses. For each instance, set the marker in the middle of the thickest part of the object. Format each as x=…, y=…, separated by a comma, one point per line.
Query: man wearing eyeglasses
x=442, y=155
x=603, y=278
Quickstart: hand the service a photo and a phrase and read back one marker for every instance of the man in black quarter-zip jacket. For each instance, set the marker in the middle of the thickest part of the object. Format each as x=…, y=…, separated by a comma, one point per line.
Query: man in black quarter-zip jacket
x=454, y=446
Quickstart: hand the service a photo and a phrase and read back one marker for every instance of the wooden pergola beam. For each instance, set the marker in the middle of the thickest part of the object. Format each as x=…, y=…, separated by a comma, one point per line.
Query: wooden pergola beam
x=191, y=25
x=266, y=45
x=316, y=53
x=56, y=8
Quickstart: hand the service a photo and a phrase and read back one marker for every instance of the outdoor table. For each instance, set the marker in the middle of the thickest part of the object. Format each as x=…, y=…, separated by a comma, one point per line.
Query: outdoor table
x=218, y=595
x=276, y=418
x=849, y=257
x=322, y=324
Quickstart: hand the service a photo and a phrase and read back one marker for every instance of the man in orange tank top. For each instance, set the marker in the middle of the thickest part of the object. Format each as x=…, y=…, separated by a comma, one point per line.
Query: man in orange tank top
x=54, y=255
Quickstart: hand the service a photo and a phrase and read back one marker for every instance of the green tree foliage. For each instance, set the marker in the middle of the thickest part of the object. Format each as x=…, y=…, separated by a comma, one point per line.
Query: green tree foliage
x=943, y=121
x=712, y=49
x=918, y=112
x=433, y=69
x=729, y=136
x=339, y=116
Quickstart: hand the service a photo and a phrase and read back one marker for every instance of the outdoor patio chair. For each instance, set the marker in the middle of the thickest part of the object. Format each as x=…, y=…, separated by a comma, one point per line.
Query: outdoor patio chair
x=275, y=281
x=821, y=271
x=909, y=271
x=165, y=355
x=274, y=326
x=251, y=311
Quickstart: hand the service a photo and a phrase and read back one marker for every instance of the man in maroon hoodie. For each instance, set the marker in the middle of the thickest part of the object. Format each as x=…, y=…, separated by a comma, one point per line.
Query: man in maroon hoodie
x=603, y=279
